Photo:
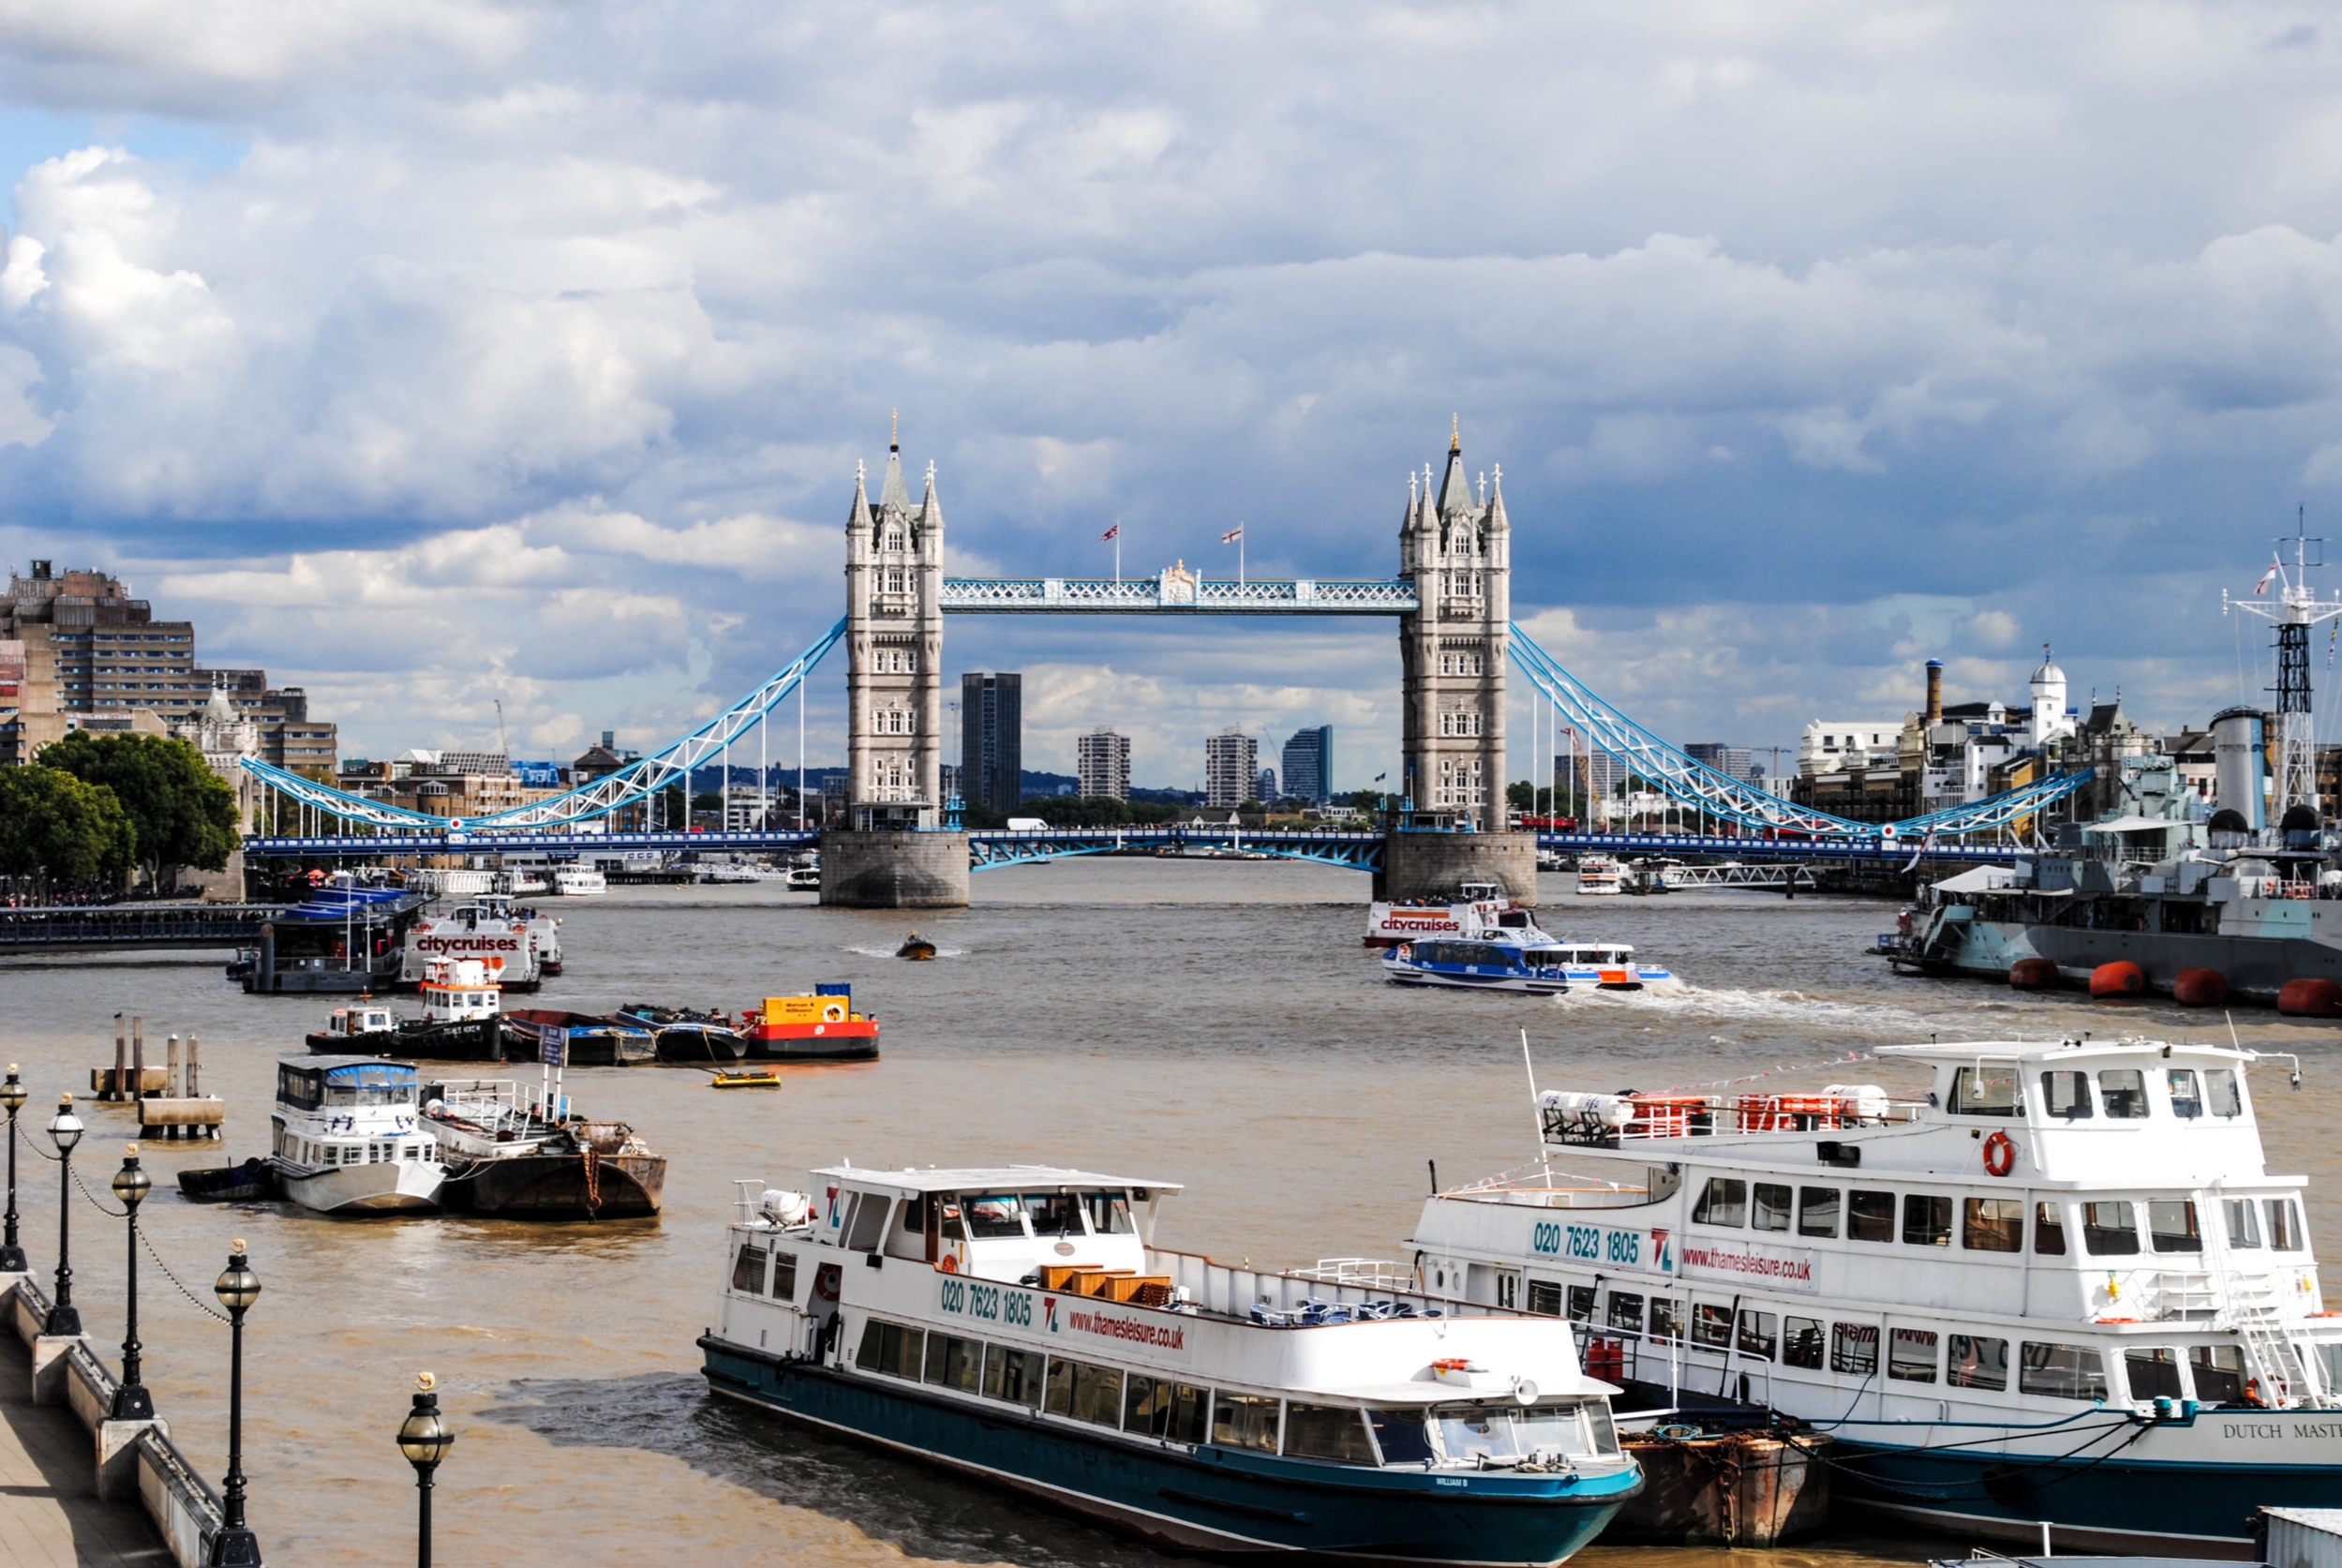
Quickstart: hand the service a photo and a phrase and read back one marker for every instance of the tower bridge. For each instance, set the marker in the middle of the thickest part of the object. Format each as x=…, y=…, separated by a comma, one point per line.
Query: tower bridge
x=1451, y=598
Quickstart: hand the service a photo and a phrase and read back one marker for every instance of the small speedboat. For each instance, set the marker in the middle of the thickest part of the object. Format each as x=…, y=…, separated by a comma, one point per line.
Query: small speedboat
x=916, y=947
x=744, y=1078
x=250, y=1183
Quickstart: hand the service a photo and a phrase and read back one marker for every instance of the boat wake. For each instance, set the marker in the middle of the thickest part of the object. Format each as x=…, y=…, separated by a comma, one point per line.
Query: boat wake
x=1683, y=999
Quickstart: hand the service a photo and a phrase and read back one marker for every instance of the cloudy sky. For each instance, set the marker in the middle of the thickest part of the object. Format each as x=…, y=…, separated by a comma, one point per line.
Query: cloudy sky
x=430, y=352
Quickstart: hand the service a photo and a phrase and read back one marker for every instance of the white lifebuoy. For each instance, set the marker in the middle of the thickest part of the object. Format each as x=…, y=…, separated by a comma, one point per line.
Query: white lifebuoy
x=834, y=1012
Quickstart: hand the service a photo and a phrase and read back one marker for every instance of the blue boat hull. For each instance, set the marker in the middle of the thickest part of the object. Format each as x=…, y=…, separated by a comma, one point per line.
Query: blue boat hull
x=1210, y=1498
x=2105, y=1504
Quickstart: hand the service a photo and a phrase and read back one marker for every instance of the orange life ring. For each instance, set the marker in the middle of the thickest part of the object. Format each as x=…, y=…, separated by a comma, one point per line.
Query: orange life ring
x=1999, y=1155
x=950, y=1264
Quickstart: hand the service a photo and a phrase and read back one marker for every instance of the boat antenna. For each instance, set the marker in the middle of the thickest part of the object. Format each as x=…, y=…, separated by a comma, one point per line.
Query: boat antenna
x=1536, y=1120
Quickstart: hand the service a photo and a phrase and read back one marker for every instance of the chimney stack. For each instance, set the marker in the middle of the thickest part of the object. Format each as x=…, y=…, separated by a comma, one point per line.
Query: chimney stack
x=1934, y=692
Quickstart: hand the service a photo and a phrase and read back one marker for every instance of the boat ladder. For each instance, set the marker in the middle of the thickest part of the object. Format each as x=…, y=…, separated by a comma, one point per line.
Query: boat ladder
x=2253, y=1313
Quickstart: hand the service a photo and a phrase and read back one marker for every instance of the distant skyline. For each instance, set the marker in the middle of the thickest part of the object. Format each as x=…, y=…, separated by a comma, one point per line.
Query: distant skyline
x=432, y=355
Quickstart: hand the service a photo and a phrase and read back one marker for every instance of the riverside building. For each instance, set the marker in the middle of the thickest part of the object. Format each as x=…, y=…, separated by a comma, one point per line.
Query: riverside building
x=1102, y=764
x=1230, y=770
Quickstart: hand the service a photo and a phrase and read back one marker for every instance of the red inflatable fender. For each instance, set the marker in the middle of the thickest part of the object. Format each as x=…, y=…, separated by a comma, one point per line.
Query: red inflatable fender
x=2033, y=974
x=2310, y=998
x=2200, y=988
x=2120, y=979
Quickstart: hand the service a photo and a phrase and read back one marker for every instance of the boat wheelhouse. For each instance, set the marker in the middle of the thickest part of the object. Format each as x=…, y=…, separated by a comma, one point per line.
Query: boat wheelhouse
x=1019, y=1324
x=2061, y=1287
x=346, y=1136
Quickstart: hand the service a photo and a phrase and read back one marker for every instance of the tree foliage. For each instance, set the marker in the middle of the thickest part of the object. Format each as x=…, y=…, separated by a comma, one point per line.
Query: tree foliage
x=182, y=813
x=60, y=834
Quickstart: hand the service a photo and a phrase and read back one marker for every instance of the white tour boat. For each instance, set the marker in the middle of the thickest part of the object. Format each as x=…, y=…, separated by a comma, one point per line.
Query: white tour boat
x=579, y=882
x=1598, y=876
x=1020, y=1326
x=2061, y=1290
x=492, y=930
x=1478, y=909
x=347, y=1136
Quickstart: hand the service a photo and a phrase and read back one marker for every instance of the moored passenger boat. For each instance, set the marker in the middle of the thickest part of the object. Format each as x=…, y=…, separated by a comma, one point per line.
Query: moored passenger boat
x=1019, y=1324
x=1478, y=909
x=346, y=1136
x=1500, y=962
x=1598, y=876
x=2061, y=1286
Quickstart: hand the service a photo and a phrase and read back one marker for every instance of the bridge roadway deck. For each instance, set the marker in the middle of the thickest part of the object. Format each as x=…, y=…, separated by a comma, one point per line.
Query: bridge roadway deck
x=49, y=1515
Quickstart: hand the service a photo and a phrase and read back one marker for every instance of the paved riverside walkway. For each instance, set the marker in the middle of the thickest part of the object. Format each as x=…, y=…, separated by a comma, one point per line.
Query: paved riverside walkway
x=49, y=1517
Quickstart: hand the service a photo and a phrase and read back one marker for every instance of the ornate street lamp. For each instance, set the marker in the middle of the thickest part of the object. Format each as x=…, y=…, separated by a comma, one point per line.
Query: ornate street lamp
x=237, y=1288
x=13, y=1097
x=131, y=1402
x=65, y=1129
x=425, y=1439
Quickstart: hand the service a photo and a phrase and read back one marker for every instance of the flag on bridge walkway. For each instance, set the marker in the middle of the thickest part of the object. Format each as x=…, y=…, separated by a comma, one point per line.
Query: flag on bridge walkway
x=1115, y=532
x=1233, y=534
x=1920, y=854
x=1379, y=777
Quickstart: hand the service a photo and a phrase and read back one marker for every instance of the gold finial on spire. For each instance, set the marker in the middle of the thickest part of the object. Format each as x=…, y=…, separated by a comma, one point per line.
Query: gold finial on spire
x=1455, y=432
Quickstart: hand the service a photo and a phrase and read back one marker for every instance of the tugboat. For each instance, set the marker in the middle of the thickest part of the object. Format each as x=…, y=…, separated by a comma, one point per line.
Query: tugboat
x=516, y=1156
x=822, y=1027
x=1025, y=1330
x=683, y=1035
x=461, y=1019
x=347, y=1137
x=2060, y=1287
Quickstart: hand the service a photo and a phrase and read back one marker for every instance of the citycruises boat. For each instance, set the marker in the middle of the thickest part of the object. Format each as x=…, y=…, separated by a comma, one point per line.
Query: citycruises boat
x=518, y=1155
x=1501, y=961
x=488, y=927
x=1020, y=1326
x=2061, y=1289
x=1607, y=965
x=822, y=1027
x=348, y=1137
x=1598, y=876
x=1478, y=909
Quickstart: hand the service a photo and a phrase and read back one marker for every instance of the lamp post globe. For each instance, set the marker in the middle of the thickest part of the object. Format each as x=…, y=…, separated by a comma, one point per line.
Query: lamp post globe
x=425, y=1439
x=12, y=1100
x=64, y=1131
x=131, y=1401
x=235, y=1545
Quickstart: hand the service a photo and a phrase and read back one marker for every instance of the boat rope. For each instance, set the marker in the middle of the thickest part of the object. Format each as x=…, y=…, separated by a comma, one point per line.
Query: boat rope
x=594, y=1181
x=2017, y=1466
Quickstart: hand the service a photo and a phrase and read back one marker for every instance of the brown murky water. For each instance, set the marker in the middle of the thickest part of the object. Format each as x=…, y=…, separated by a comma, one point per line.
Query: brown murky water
x=1214, y=1023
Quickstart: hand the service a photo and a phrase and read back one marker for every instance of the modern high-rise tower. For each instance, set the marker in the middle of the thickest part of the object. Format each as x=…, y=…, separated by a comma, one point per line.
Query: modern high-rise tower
x=991, y=738
x=1457, y=546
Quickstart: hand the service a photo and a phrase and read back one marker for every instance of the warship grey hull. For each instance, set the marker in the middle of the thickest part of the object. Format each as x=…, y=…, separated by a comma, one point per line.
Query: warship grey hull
x=2255, y=967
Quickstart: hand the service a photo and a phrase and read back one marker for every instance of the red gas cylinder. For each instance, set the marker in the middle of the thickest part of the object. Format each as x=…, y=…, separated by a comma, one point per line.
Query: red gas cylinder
x=2033, y=974
x=2200, y=988
x=2310, y=998
x=2119, y=978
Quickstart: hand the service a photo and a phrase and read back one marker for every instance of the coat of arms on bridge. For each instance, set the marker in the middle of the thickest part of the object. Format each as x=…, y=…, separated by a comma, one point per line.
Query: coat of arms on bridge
x=1178, y=585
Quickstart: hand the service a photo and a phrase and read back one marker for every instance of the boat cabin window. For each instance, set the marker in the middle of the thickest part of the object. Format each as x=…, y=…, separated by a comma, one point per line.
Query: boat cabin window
x=1581, y=1300
x=2152, y=1371
x=1724, y=1202
x=2243, y=1221
x=2219, y=1373
x=1911, y=1355
x=1402, y=1436
x=1014, y=1375
x=1869, y=1215
x=1854, y=1349
x=1244, y=1421
x=954, y=1363
x=1511, y=1432
x=2187, y=1100
x=2066, y=1095
x=1977, y=1363
x=2048, y=1230
x=868, y=1226
x=1711, y=1324
x=1626, y=1312
x=891, y=1348
x=1992, y=1224
x=1110, y=1213
x=915, y=1213
x=2172, y=1225
x=2062, y=1371
x=2221, y=1091
x=2327, y=1353
x=1178, y=1411
x=1667, y=1320
x=1817, y=1210
x=784, y=1275
x=1088, y=1392
x=1927, y=1219
x=1759, y=1334
x=2109, y=1229
x=1053, y=1213
x=748, y=1270
x=1801, y=1343
x=1986, y=1091
x=2285, y=1225
x=1336, y=1432
x=1770, y=1211
x=995, y=1216
x=1545, y=1297
x=2124, y=1091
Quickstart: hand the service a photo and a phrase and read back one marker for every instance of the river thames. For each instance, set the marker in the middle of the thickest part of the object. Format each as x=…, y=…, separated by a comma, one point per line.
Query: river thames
x=1214, y=1024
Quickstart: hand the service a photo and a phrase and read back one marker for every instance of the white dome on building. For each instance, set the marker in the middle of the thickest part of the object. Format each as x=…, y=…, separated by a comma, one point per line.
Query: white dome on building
x=2049, y=674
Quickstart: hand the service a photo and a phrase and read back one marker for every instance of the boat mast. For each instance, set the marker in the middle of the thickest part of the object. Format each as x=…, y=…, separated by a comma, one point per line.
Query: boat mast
x=2294, y=611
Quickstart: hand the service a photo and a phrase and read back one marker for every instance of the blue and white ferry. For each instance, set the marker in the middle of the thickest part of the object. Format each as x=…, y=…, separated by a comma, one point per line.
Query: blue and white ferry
x=2062, y=1290
x=1496, y=960
x=1020, y=1326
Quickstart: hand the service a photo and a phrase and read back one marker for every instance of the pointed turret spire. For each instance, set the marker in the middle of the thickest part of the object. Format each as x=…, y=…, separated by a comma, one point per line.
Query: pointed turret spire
x=894, y=492
x=931, y=505
x=858, y=516
x=1497, y=522
x=1456, y=486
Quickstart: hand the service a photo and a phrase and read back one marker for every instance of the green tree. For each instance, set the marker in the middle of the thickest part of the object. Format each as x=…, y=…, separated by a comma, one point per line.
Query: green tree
x=182, y=814
x=56, y=831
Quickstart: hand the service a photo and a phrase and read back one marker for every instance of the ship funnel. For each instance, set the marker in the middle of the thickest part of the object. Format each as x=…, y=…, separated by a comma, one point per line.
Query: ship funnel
x=2240, y=754
x=1934, y=692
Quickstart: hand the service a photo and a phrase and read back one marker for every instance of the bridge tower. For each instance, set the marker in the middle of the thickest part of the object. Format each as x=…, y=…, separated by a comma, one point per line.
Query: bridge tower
x=1455, y=544
x=891, y=852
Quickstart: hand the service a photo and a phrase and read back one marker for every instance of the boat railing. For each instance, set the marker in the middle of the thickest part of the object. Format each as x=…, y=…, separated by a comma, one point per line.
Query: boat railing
x=1298, y=1298
x=1607, y=1120
x=1541, y=1186
x=1369, y=1273
x=1634, y=1355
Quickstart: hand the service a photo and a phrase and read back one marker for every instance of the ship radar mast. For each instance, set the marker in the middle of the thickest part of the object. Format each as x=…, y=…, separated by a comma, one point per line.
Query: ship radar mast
x=2295, y=608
